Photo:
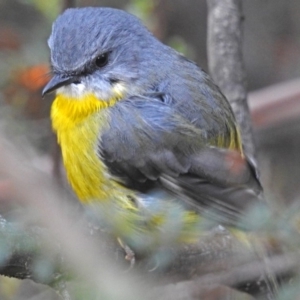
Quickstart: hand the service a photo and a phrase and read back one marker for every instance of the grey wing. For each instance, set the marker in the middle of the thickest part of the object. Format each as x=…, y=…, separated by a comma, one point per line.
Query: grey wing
x=148, y=146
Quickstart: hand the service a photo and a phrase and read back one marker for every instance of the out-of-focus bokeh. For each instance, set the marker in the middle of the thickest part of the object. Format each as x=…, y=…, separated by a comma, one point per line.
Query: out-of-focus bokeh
x=271, y=55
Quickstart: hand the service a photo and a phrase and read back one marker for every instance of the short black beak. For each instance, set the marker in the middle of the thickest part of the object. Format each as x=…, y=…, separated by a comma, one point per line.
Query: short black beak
x=56, y=82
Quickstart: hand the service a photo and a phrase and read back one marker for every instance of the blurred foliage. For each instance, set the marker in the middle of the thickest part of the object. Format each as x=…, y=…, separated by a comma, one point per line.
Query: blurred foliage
x=144, y=10
x=50, y=9
x=178, y=43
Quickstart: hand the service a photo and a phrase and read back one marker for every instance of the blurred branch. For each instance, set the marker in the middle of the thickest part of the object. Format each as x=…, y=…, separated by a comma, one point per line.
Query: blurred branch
x=24, y=247
x=276, y=104
x=203, y=264
x=235, y=277
x=226, y=64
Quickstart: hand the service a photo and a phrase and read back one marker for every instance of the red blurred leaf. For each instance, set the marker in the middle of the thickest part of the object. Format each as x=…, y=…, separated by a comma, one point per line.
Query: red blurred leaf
x=34, y=78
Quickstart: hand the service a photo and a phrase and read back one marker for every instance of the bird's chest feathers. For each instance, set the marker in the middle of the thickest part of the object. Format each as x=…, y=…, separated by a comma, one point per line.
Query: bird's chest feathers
x=78, y=124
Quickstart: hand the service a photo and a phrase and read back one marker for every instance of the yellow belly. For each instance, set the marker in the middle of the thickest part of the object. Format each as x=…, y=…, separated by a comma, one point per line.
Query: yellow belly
x=86, y=173
x=78, y=124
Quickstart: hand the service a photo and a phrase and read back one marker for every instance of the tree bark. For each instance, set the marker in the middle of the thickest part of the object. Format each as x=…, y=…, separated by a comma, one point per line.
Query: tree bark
x=225, y=60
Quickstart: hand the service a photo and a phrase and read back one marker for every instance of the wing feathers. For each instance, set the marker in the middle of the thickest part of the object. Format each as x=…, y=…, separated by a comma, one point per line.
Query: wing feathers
x=147, y=144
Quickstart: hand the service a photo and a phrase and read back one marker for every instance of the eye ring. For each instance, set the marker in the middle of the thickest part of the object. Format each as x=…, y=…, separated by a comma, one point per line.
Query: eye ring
x=102, y=60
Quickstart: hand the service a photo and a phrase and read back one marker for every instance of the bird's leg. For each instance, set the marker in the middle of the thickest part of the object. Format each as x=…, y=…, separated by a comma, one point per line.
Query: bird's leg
x=129, y=253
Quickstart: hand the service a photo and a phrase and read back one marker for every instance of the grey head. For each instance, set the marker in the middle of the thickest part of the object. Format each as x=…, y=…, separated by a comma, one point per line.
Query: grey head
x=93, y=49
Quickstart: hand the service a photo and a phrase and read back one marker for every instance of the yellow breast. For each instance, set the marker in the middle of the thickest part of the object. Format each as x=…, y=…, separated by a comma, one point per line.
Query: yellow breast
x=78, y=124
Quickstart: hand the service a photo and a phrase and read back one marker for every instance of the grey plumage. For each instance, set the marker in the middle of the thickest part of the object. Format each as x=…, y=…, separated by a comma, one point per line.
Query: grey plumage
x=158, y=149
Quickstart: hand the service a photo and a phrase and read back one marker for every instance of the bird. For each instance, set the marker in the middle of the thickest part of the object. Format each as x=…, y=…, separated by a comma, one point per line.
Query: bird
x=145, y=133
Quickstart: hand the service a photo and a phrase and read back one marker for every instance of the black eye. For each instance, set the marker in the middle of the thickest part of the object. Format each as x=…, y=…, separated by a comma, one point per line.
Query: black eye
x=102, y=60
